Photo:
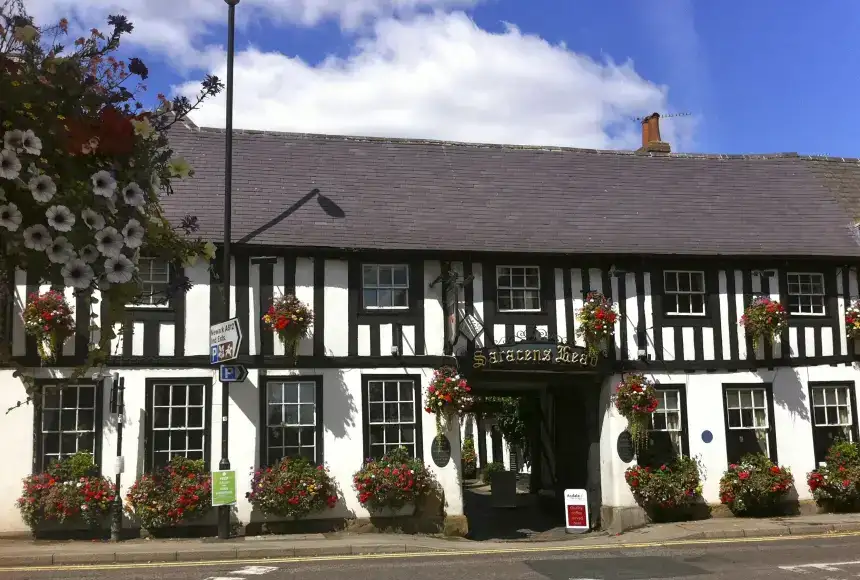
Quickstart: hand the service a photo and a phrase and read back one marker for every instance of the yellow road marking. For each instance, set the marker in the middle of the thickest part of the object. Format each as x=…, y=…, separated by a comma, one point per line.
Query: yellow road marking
x=429, y=554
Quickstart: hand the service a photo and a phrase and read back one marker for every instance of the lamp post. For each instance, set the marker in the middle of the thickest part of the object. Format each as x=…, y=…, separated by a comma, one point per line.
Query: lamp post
x=224, y=464
x=118, y=409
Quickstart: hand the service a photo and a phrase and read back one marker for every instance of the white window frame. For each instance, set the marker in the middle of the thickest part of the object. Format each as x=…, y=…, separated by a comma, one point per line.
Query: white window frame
x=148, y=284
x=379, y=286
x=662, y=409
x=826, y=405
x=186, y=407
x=399, y=423
x=676, y=292
x=808, y=295
x=63, y=394
x=511, y=289
x=737, y=400
x=297, y=425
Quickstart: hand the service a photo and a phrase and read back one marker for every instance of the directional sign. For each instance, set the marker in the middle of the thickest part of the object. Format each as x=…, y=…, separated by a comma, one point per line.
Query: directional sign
x=233, y=373
x=224, y=341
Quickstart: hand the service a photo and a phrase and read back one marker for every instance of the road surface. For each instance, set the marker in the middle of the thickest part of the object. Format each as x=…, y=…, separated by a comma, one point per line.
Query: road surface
x=780, y=559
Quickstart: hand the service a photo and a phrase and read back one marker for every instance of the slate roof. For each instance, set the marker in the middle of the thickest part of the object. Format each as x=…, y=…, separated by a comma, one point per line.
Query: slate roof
x=412, y=194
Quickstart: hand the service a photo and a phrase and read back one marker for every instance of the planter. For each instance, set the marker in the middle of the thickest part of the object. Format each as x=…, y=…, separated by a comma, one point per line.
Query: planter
x=503, y=489
x=71, y=530
x=407, y=510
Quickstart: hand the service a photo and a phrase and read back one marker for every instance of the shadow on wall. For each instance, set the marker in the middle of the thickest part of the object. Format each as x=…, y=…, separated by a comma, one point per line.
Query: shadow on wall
x=791, y=393
x=341, y=410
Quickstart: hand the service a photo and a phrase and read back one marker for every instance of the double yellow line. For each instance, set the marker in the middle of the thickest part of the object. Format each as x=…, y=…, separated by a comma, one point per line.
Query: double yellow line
x=430, y=554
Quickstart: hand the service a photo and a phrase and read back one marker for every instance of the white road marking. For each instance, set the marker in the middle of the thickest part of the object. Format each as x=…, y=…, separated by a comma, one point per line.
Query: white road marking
x=223, y=578
x=826, y=566
x=255, y=570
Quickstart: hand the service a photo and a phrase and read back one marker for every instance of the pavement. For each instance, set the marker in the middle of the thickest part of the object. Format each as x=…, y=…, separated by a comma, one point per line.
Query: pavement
x=774, y=558
x=40, y=554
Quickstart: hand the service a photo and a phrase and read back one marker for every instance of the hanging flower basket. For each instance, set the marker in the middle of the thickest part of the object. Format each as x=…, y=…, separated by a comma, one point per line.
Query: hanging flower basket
x=852, y=320
x=596, y=322
x=290, y=319
x=447, y=394
x=636, y=398
x=48, y=318
x=764, y=318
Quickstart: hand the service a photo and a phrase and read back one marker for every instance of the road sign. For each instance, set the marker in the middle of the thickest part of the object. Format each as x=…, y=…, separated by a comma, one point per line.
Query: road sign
x=224, y=341
x=233, y=373
x=223, y=488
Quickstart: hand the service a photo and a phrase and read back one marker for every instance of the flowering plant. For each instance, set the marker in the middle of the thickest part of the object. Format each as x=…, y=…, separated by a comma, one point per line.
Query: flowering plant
x=292, y=489
x=468, y=458
x=447, y=394
x=291, y=319
x=392, y=482
x=836, y=484
x=764, y=318
x=852, y=320
x=596, y=321
x=83, y=168
x=669, y=487
x=48, y=318
x=635, y=398
x=178, y=492
x=67, y=491
x=755, y=486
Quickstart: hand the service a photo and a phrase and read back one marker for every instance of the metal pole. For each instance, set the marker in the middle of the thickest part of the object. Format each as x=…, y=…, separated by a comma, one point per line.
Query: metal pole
x=224, y=511
x=116, y=522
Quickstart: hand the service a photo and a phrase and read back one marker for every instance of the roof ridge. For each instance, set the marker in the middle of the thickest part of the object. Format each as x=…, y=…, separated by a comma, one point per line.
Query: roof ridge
x=500, y=146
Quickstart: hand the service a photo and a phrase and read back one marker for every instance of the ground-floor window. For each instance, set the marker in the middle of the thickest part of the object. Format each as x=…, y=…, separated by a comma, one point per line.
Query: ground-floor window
x=178, y=420
x=749, y=421
x=293, y=412
x=68, y=421
x=834, y=409
x=392, y=414
x=667, y=433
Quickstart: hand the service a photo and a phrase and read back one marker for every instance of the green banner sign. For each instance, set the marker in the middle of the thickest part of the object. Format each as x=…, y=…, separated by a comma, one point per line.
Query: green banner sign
x=223, y=488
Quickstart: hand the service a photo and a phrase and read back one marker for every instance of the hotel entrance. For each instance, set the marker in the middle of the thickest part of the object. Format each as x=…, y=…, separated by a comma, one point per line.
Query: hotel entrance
x=553, y=392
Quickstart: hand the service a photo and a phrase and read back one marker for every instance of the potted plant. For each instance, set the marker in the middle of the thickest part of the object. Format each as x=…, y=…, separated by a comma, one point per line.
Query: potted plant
x=177, y=493
x=490, y=469
x=852, y=320
x=755, y=486
x=469, y=459
x=293, y=488
x=836, y=484
x=48, y=318
x=636, y=399
x=392, y=485
x=446, y=395
x=596, y=322
x=68, y=496
x=668, y=492
x=290, y=319
x=764, y=318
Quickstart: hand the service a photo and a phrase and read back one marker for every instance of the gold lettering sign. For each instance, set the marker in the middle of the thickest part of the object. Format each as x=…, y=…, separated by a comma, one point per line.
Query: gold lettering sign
x=564, y=355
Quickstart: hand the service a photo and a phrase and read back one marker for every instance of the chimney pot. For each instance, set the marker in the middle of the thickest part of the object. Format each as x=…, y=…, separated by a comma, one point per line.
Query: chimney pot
x=651, y=142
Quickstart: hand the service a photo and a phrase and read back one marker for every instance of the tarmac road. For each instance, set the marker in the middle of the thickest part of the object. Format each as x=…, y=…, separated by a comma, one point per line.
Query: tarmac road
x=805, y=559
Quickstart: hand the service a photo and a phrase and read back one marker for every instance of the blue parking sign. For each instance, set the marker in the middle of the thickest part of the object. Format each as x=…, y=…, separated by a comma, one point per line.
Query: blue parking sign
x=214, y=356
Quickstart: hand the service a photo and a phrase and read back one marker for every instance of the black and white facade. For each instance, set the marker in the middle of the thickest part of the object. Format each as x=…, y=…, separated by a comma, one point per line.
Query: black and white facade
x=387, y=286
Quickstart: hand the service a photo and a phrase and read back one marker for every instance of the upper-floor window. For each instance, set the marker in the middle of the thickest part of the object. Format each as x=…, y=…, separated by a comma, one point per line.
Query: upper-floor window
x=518, y=288
x=154, y=281
x=385, y=286
x=684, y=292
x=805, y=293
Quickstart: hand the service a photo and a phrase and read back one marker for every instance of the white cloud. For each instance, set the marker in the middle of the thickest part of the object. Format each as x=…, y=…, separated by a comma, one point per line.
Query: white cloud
x=441, y=76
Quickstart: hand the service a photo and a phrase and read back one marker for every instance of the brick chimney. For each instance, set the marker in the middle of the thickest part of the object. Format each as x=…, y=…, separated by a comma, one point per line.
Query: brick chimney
x=651, y=142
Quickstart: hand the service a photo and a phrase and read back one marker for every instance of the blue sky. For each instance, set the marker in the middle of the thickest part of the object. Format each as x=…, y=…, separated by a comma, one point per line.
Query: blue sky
x=756, y=77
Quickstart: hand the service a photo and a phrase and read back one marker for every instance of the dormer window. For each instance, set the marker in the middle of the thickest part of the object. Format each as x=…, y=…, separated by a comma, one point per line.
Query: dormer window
x=518, y=288
x=684, y=293
x=154, y=282
x=385, y=287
